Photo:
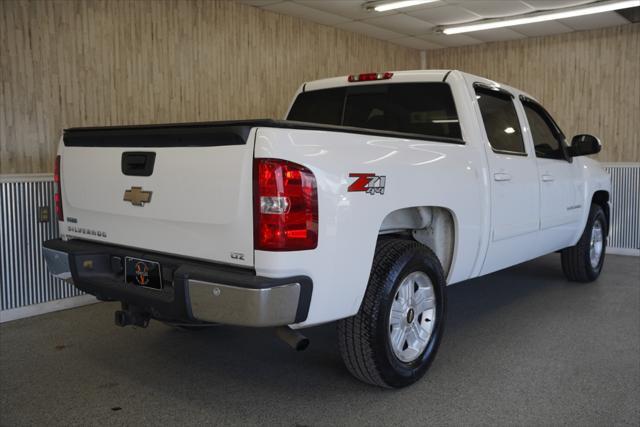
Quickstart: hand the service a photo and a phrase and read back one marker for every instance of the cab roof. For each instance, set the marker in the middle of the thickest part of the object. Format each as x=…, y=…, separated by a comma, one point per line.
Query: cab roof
x=409, y=76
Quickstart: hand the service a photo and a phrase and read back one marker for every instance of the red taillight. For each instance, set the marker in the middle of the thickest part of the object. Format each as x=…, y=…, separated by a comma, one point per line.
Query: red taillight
x=367, y=77
x=285, y=206
x=57, y=195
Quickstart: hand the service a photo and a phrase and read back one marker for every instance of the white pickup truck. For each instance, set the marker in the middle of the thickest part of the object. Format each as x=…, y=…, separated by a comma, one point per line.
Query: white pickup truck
x=376, y=192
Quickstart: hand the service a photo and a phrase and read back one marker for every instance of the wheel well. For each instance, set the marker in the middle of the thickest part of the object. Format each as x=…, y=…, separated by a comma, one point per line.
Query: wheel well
x=601, y=198
x=433, y=226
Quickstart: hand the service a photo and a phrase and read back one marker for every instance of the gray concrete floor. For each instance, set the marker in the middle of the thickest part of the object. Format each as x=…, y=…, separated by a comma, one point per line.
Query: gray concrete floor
x=522, y=347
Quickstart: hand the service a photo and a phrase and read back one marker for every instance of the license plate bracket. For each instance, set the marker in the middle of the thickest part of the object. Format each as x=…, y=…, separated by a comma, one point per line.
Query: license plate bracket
x=143, y=273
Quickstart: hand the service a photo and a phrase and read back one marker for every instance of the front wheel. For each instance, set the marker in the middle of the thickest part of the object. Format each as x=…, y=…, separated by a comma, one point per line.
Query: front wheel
x=395, y=335
x=583, y=262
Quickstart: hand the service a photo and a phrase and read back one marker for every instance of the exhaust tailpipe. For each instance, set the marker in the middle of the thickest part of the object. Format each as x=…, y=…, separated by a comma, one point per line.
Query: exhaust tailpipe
x=293, y=338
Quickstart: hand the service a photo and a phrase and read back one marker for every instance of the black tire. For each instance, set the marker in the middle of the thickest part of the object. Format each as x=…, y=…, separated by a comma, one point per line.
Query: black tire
x=576, y=261
x=364, y=338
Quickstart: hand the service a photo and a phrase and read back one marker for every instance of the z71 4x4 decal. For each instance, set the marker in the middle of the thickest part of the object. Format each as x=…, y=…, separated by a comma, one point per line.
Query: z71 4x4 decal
x=370, y=183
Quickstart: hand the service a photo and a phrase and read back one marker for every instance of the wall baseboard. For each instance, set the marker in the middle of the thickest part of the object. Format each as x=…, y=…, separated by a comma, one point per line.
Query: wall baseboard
x=46, y=307
x=623, y=251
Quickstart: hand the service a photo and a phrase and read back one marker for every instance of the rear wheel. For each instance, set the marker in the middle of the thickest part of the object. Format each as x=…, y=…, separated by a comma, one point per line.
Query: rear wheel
x=583, y=262
x=395, y=335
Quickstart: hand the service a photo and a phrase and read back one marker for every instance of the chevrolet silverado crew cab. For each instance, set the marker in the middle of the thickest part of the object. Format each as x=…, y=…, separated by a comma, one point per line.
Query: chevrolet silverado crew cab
x=376, y=192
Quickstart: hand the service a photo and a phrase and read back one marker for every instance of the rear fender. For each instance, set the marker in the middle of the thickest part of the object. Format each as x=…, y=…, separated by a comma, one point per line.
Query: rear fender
x=354, y=201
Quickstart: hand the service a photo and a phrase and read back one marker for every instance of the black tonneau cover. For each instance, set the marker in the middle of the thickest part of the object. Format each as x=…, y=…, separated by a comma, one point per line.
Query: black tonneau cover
x=208, y=134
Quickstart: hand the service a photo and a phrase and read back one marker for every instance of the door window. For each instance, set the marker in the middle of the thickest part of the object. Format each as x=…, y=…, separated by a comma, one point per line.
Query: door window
x=500, y=121
x=546, y=137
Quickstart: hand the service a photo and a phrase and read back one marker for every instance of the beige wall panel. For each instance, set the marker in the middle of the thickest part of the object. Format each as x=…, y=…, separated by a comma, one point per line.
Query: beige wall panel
x=588, y=80
x=77, y=63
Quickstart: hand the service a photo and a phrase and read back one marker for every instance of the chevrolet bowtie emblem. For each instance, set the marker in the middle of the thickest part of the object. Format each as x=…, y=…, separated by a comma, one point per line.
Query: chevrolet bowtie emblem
x=137, y=197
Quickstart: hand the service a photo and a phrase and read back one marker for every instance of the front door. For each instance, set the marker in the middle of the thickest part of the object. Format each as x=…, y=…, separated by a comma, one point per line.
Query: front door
x=560, y=206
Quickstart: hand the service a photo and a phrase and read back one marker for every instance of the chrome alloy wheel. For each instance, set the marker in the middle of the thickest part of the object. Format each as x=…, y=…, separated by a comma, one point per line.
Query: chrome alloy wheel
x=596, y=244
x=412, y=317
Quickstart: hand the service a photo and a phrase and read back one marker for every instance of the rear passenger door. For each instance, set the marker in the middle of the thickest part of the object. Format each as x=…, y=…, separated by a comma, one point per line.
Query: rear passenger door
x=513, y=178
x=560, y=210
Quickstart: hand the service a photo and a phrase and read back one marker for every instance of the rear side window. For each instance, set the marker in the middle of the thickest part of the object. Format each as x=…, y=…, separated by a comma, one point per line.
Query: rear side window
x=545, y=138
x=500, y=121
x=420, y=108
x=319, y=106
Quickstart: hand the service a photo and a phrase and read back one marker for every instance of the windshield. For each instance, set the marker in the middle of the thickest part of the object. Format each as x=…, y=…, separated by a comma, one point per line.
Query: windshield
x=420, y=108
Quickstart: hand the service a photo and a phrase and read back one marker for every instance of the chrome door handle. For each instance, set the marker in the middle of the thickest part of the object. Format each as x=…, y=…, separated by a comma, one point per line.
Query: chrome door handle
x=547, y=178
x=502, y=177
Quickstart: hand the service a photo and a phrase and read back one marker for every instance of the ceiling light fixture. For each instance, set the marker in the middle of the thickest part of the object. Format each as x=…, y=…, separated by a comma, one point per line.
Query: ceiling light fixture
x=598, y=7
x=392, y=5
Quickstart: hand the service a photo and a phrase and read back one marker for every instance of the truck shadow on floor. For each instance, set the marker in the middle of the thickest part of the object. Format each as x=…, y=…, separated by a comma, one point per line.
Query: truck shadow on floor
x=257, y=358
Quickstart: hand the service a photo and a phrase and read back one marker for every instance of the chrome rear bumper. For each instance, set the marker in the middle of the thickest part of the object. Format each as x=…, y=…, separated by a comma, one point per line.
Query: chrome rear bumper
x=215, y=302
x=57, y=263
x=192, y=291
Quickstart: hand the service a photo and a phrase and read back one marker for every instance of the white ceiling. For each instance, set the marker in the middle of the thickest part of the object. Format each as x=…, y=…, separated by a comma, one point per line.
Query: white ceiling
x=414, y=26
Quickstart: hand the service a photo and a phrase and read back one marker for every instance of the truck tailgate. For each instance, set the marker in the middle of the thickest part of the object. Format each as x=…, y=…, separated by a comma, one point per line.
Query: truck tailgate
x=199, y=191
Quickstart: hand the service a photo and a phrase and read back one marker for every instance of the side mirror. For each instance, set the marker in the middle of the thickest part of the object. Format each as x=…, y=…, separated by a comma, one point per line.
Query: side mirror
x=584, y=145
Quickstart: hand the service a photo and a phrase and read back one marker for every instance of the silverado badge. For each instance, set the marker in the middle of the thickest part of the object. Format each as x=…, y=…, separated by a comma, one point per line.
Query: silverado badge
x=137, y=197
